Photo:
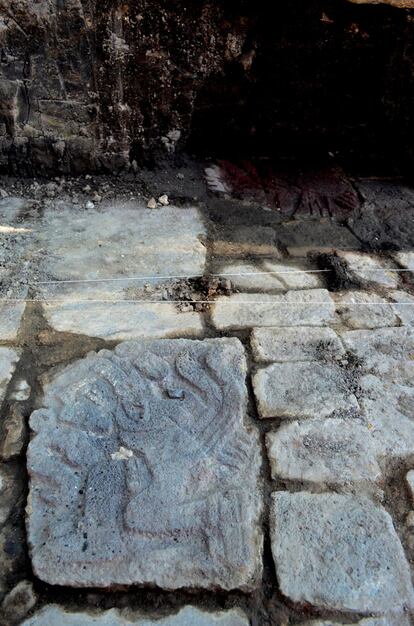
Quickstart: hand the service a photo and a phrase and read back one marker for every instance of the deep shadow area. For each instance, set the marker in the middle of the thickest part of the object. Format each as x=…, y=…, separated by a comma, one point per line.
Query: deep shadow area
x=313, y=79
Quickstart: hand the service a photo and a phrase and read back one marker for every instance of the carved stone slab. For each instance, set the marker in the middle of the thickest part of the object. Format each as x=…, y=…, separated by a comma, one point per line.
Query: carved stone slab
x=143, y=471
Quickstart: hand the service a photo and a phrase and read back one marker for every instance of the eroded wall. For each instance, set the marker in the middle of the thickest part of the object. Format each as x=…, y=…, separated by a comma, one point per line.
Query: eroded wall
x=88, y=85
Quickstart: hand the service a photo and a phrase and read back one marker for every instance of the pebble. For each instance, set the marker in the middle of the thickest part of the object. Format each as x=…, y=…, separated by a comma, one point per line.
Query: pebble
x=18, y=602
x=89, y=205
x=410, y=482
x=164, y=200
x=409, y=520
x=152, y=203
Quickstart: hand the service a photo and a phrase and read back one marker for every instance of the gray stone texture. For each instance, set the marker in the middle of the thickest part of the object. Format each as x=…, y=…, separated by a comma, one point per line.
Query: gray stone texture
x=386, y=217
x=8, y=361
x=13, y=433
x=103, y=252
x=369, y=270
x=410, y=483
x=239, y=241
x=331, y=451
x=11, y=314
x=323, y=236
x=142, y=470
x=295, y=344
x=188, y=616
x=313, y=307
x=99, y=244
x=385, y=388
x=269, y=275
x=389, y=409
x=361, y=309
x=18, y=602
x=381, y=350
x=252, y=277
x=302, y=390
x=121, y=321
x=297, y=274
x=393, y=620
x=405, y=259
x=69, y=76
x=403, y=305
x=338, y=552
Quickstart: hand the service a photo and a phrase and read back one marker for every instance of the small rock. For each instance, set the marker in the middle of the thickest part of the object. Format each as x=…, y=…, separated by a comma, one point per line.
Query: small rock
x=8, y=362
x=97, y=197
x=410, y=482
x=164, y=200
x=180, y=176
x=13, y=434
x=3, y=193
x=87, y=189
x=123, y=454
x=18, y=602
x=409, y=520
x=21, y=391
x=152, y=203
x=51, y=189
x=89, y=205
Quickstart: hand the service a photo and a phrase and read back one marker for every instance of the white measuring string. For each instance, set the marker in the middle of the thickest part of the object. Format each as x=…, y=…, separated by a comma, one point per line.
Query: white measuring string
x=189, y=276
x=223, y=299
x=176, y=276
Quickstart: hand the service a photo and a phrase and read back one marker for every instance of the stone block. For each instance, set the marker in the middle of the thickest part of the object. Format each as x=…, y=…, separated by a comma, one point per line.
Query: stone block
x=143, y=471
x=331, y=451
x=302, y=390
x=339, y=552
x=313, y=307
x=295, y=344
x=361, y=309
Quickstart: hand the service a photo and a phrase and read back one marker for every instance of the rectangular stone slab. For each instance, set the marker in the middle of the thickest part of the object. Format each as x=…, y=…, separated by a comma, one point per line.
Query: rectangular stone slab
x=302, y=390
x=143, y=471
x=338, y=552
x=311, y=307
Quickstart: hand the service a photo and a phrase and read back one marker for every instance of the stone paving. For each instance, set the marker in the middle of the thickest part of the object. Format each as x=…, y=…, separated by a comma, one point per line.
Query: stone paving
x=235, y=450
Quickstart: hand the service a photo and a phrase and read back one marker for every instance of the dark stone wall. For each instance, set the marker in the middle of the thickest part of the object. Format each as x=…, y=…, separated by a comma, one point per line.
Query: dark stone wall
x=92, y=85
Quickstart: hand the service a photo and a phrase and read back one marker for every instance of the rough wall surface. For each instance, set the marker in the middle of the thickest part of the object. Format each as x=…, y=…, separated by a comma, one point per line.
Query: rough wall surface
x=85, y=84
x=97, y=84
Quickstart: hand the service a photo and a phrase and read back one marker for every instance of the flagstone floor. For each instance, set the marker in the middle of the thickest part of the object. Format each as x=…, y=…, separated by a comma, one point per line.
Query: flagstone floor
x=207, y=414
